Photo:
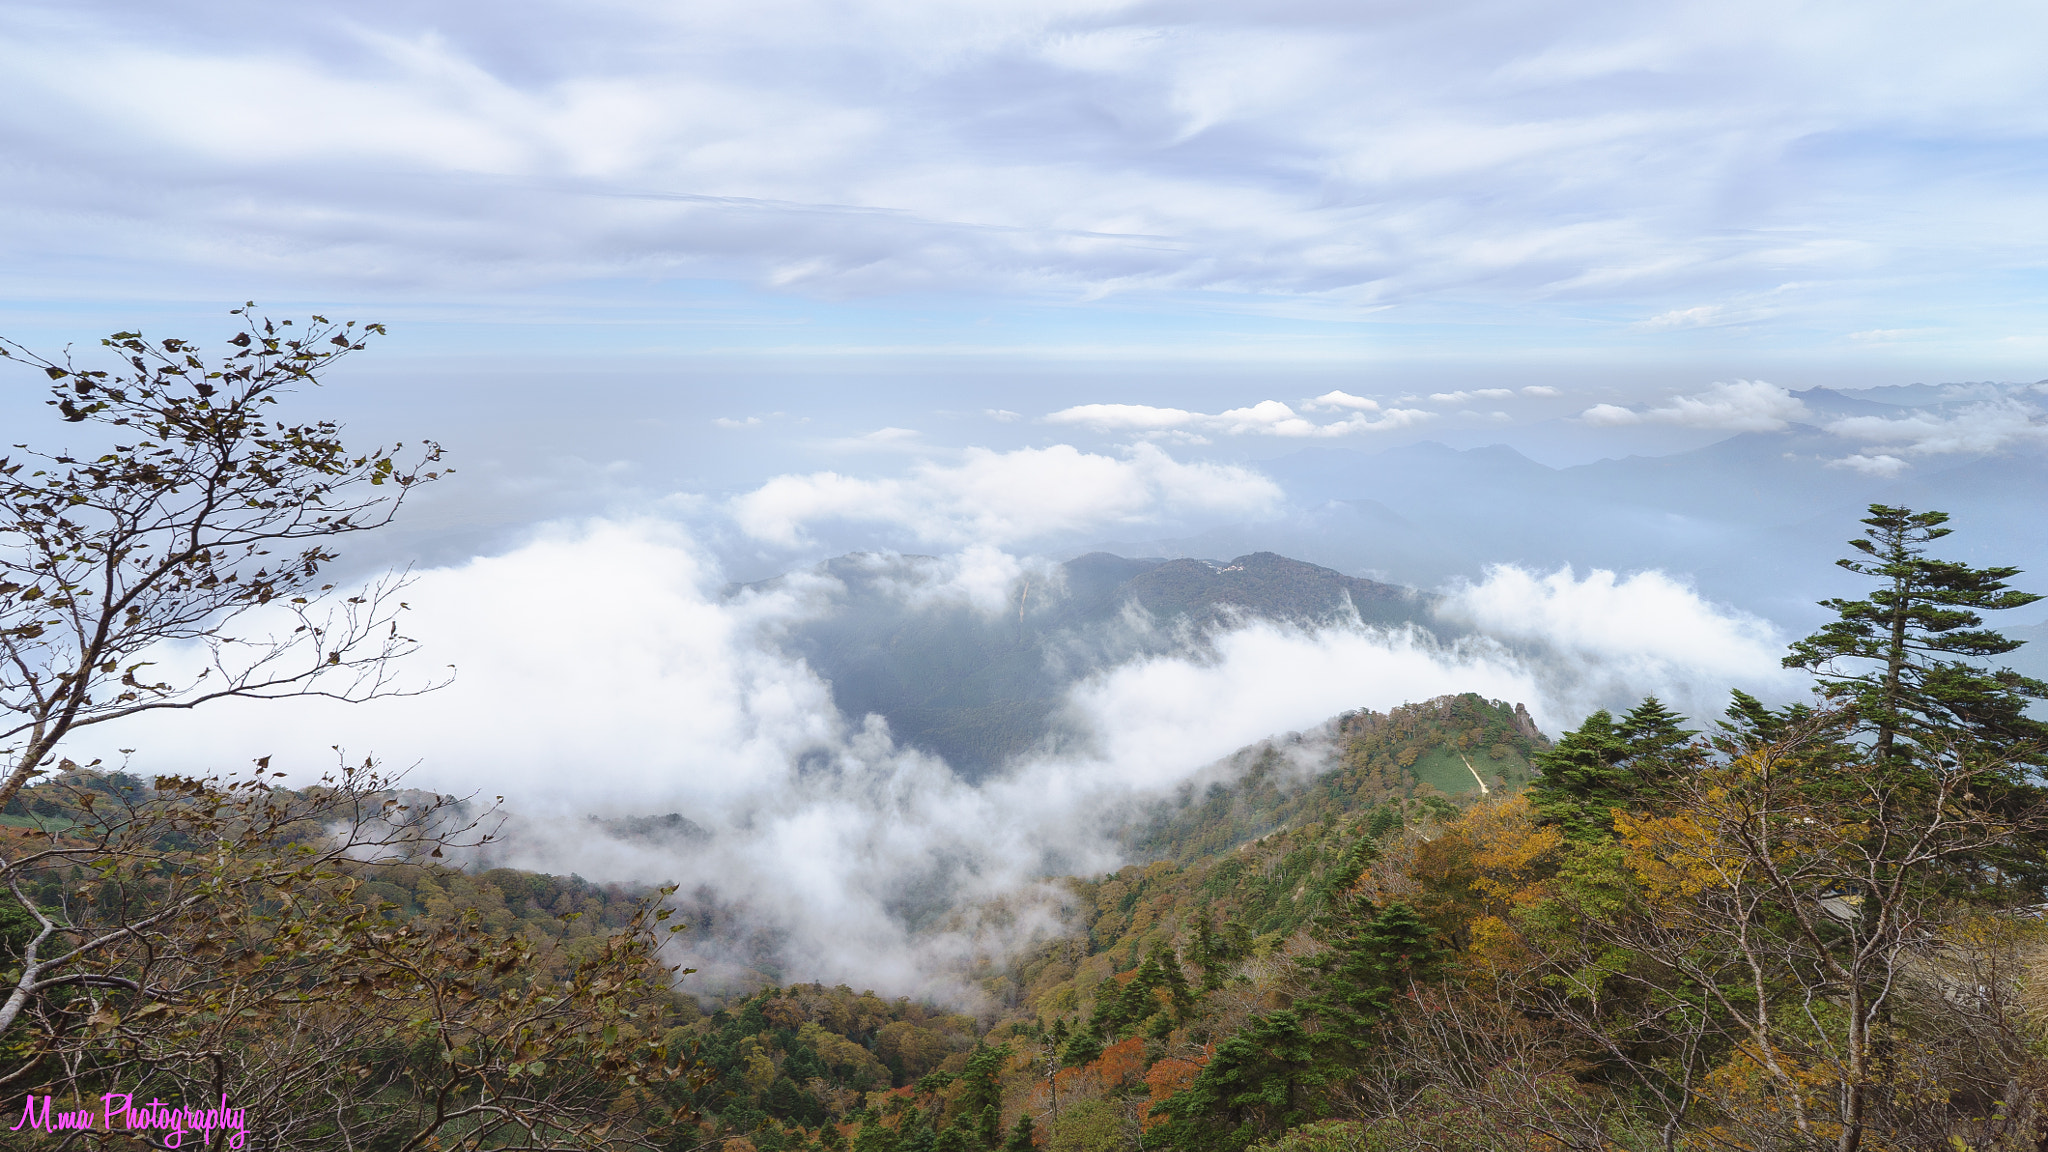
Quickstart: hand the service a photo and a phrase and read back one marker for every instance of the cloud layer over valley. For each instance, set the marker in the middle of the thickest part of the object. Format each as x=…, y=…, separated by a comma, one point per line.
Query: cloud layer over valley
x=825, y=725
x=606, y=669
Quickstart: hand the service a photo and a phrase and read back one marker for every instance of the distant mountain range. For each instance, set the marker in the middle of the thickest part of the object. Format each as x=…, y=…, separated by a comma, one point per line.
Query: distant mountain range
x=978, y=688
x=1757, y=519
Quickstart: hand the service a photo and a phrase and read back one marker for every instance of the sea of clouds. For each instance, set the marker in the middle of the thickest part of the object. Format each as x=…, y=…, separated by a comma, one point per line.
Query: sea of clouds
x=607, y=668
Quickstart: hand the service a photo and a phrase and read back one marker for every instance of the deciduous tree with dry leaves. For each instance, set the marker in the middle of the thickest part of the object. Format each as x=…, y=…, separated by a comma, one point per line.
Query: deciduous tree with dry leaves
x=187, y=505
x=200, y=938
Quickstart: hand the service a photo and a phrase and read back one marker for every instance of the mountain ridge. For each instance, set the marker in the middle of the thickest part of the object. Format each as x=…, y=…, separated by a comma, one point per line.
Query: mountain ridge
x=979, y=688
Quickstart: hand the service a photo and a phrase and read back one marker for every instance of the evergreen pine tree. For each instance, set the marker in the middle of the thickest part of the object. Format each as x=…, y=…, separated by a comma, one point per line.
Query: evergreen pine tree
x=1750, y=723
x=914, y=1132
x=1277, y=1070
x=982, y=1101
x=958, y=1136
x=1160, y=1027
x=1084, y=1048
x=1136, y=1004
x=1604, y=765
x=1021, y=1136
x=1655, y=740
x=1372, y=956
x=1107, y=1017
x=1203, y=951
x=1261, y=1080
x=873, y=1137
x=1216, y=950
x=1344, y=875
x=1908, y=659
x=1175, y=982
x=1581, y=780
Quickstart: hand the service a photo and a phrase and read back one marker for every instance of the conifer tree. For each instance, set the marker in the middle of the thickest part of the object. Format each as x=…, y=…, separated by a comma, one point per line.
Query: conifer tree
x=1084, y=1048
x=1908, y=658
x=982, y=1101
x=1262, y=1079
x=1581, y=778
x=1136, y=1004
x=1278, y=1070
x=914, y=1132
x=1604, y=765
x=1216, y=949
x=873, y=1137
x=1107, y=1018
x=1021, y=1135
x=958, y=1136
x=1160, y=1027
x=1654, y=735
x=1373, y=955
x=1174, y=981
x=1750, y=723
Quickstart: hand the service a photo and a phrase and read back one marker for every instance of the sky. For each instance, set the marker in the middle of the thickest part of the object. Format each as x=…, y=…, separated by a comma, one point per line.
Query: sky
x=701, y=293
x=1743, y=185
x=629, y=249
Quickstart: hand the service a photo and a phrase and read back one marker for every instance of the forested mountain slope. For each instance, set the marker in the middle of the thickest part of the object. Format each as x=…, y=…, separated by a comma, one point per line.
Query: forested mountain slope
x=1804, y=926
x=1448, y=747
x=1238, y=869
x=1807, y=926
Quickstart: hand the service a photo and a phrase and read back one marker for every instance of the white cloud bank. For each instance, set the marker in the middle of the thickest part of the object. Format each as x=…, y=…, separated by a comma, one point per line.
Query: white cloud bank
x=1005, y=498
x=1608, y=637
x=1999, y=417
x=1266, y=418
x=1744, y=406
x=1978, y=428
x=1882, y=465
x=1338, y=398
x=602, y=671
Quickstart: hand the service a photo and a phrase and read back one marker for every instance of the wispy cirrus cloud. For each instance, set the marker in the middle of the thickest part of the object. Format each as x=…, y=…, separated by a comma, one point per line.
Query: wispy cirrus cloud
x=1536, y=150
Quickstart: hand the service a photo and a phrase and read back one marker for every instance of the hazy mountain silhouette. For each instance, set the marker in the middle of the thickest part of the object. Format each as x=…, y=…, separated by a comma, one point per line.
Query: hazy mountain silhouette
x=1756, y=519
